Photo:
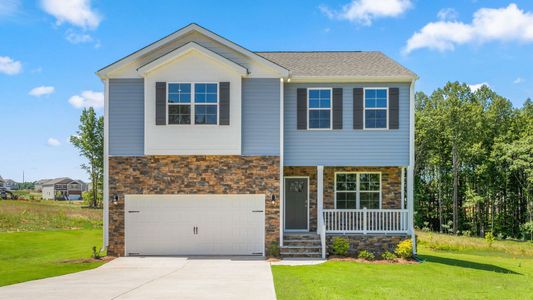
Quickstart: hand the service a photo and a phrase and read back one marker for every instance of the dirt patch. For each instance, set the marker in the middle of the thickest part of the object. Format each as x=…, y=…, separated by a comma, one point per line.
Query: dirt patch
x=88, y=260
x=376, y=262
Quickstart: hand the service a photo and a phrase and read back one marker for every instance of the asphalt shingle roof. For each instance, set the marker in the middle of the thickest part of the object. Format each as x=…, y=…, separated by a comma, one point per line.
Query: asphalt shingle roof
x=333, y=63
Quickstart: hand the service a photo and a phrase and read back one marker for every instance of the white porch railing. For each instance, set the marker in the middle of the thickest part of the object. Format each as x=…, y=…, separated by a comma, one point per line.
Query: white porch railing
x=366, y=220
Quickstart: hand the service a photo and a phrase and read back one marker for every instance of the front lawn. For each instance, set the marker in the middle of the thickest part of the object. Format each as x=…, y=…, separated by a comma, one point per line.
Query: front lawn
x=455, y=273
x=33, y=255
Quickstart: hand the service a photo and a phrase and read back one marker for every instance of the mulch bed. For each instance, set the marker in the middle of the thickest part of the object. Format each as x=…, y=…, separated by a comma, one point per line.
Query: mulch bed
x=88, y=260
x=378, y=262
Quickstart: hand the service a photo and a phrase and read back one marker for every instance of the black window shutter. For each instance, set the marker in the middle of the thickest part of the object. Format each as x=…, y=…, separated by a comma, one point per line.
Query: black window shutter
x=394, y=108
x=358, y=108
x=337, y=108
x=160, y=103
x=224, y=103
x=301, y=109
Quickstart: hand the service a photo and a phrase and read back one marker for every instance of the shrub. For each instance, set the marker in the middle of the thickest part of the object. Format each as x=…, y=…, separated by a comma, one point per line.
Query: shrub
x=389, y=255
x=340, y=246
x=96, y=253
x=467, y=233
x=404, y=249
x=273, y=249
x=527, y=230
x=366, y=255
x=489, y=238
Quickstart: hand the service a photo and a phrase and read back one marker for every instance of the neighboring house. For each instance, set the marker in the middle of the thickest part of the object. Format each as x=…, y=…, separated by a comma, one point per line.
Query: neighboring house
x=38, y=185
x=62, y=189
x=11, y=184
x=2, y=182
x=212, y=149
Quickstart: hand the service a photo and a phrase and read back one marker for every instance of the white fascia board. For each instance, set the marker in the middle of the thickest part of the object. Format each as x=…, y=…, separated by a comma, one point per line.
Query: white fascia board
x=104, y=72
x=406, y=79
x=185, y=49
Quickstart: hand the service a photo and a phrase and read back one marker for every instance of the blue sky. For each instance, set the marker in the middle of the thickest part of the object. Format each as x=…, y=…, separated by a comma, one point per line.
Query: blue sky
x=50, y=51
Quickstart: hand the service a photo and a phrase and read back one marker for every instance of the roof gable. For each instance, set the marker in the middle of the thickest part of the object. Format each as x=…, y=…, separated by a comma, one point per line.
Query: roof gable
x=189, y=29
x=186, y=49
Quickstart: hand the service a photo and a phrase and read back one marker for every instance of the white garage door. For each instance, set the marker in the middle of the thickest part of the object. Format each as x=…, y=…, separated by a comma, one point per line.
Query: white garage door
x=194, y=224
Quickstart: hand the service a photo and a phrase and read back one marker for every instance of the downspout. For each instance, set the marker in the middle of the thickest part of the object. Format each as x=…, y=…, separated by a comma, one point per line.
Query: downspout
x=281, y=158
x=106, y=164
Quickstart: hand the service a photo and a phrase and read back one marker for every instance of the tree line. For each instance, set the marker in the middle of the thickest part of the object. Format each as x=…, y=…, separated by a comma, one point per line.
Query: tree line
x=474, y=163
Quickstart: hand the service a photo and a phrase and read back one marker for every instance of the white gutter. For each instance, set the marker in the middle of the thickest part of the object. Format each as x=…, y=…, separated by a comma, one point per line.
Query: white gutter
x=106, y=163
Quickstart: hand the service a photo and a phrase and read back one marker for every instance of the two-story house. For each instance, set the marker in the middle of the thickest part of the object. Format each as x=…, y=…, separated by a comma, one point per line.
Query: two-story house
x=213, y=149
x=63, y=188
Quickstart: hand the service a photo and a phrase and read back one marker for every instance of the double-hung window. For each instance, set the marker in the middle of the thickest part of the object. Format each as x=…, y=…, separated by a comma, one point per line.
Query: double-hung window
x=179, y=103
x=376, y=104
x=319, y=108
x=358, y=190
x=193, y=103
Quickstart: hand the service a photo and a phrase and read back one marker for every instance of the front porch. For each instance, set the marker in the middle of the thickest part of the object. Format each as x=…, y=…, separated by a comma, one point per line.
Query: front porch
x=367, y=205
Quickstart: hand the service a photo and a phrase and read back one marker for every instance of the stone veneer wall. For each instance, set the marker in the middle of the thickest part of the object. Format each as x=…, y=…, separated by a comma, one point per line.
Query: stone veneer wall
x=375, y=243
x=390, y=186
x=192, y=174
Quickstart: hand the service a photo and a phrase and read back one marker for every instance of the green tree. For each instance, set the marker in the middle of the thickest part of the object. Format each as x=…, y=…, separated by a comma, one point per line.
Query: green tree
x=89, y=140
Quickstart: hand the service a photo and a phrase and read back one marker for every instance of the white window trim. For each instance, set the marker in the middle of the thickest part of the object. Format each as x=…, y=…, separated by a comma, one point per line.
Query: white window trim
x=358, y=188
x=330, y=108
x=374, y=108
x=193, y=103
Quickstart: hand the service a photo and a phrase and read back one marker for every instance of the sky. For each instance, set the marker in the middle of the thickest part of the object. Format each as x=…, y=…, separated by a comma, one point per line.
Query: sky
x=51, y=49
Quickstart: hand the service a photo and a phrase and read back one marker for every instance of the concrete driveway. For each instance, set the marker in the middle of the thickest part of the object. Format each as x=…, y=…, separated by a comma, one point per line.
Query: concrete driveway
x=156, y=278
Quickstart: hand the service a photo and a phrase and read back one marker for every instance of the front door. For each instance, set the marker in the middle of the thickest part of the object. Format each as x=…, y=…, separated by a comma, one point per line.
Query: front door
x=296, y=202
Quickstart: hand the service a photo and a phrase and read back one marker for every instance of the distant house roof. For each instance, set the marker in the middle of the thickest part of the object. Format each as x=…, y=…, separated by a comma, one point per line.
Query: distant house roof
x=339, y=64
x=61, y=180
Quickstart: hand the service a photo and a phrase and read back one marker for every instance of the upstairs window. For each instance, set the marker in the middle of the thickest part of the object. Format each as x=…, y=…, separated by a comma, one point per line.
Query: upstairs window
x=358, y=190
x=179, y=103
x=376, y=104
x=206, y=103
x=319, y=108
x=186, y=100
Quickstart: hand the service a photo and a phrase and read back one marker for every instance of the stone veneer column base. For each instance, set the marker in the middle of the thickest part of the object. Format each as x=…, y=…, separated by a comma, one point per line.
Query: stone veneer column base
x=375, y=243
x=229, y=174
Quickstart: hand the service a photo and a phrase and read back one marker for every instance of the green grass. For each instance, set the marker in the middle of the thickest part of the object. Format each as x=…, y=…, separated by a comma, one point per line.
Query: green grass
x=467, y=269
x=18, y=215
x=33, y=255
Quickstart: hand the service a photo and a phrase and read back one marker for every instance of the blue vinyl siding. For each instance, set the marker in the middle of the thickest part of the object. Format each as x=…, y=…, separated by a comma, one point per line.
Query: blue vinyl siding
x=346, y=147
x=260, y=116
x=126, y=117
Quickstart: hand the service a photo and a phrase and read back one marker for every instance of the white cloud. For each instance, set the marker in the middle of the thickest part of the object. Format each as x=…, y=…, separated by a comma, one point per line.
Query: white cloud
x=488, y=24
x=10, y=66
x=518, y=80
x=77, y=38
x=76, y=12
x=41, y=91
x=477, y=86
x=447, y=14
x=87, y=99
x=9, y=7
x=365, y=11
x=53, y=142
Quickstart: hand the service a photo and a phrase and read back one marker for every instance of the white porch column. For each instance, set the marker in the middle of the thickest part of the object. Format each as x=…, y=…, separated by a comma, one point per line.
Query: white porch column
x=410, y=168
x=281, y=162
x=106, y=165
x=320, y=195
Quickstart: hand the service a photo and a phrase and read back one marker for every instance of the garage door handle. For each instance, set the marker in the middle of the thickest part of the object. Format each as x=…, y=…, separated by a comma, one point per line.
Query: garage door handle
x=133, y=211
x=257, y=211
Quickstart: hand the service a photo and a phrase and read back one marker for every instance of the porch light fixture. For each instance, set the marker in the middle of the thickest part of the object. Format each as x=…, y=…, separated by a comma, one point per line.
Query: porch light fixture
x=115, y=199
x=273, y=199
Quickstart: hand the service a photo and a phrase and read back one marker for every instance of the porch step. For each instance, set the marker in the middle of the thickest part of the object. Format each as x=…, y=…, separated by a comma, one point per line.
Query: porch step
x=301, y=245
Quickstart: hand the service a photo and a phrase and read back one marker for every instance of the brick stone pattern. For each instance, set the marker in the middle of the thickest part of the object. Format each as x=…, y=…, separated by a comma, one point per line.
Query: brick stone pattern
x=390, y=186
x=377, y=244
x=311, y=173
x=188, y=175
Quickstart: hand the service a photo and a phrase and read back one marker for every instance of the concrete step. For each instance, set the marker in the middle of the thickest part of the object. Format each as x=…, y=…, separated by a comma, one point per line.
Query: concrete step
x=301, y=255
x=302, y=243
x=301, y=236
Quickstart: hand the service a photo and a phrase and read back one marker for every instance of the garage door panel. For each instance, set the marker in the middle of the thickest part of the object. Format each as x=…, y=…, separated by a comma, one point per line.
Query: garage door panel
x=163, y=225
